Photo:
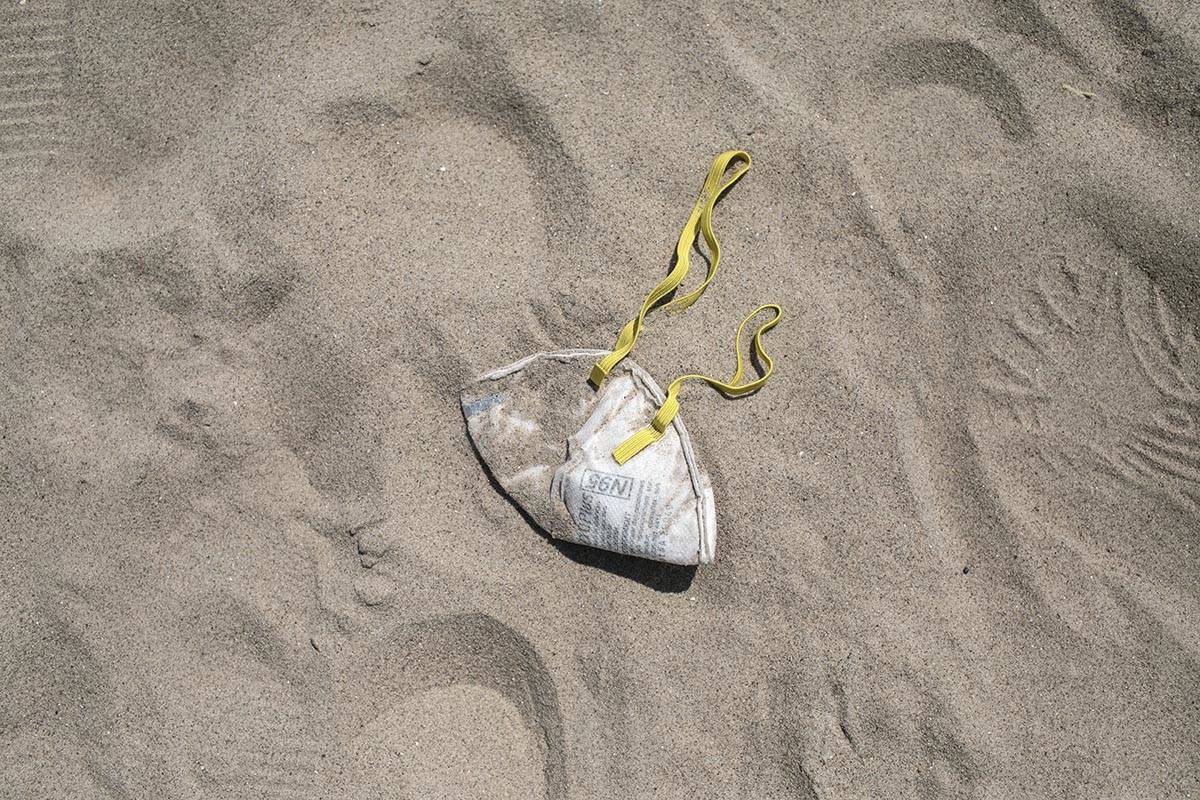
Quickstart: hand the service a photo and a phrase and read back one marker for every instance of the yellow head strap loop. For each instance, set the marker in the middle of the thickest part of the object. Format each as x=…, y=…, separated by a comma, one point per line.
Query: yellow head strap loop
x=734, y=387
x=699, y=222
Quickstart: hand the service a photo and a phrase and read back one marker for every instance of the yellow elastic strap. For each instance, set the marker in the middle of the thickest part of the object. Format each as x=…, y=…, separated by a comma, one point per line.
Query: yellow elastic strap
x=731, y=388
x=700, y=221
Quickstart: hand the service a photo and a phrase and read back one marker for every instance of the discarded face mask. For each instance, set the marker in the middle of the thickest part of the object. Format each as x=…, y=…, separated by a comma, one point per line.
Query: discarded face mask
x=565, y=433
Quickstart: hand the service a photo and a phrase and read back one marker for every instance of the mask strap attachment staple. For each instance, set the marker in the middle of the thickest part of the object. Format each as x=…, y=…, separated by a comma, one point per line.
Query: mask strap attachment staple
x=734, y=387
x=699, y=223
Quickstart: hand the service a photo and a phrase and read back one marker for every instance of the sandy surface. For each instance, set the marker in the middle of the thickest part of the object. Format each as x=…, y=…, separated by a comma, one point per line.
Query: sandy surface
x=250, y=251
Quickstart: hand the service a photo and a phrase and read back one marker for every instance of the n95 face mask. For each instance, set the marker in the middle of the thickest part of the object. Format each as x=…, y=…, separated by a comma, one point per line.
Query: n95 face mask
x=565, y=433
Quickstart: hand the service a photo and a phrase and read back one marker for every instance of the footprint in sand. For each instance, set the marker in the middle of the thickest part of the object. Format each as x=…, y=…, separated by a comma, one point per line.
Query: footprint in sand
x=455, y=742
x=455, y=706
x=245, y=707
x=1088, y=409
x=34, y=43
x=958, y=64
x=56, y=715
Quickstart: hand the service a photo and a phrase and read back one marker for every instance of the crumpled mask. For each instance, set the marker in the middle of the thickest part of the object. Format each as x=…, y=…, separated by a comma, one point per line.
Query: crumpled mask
x=565, y=433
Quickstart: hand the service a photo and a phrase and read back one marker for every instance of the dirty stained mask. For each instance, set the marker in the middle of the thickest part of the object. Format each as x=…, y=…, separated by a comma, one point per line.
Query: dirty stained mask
x=587, y=444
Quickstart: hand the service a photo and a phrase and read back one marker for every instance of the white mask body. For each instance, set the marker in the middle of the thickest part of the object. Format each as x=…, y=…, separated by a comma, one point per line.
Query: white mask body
x=547, y=437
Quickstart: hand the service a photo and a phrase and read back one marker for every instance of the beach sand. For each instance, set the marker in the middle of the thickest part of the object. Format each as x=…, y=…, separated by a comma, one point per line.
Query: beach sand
x=249, y=252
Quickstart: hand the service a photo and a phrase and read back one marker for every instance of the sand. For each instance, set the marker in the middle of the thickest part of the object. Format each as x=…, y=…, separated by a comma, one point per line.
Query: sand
x=249, y=252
